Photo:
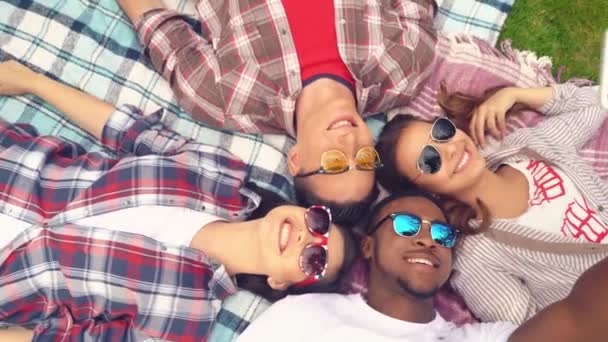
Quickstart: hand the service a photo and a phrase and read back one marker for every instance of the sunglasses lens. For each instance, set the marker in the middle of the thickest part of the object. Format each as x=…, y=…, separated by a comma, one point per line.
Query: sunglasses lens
x=317, y=219
x=334, y=161
x=314, y=260
x=406, y=225
x=443, y=234
x=443, y=130
x=367, y=158
x=429, y=160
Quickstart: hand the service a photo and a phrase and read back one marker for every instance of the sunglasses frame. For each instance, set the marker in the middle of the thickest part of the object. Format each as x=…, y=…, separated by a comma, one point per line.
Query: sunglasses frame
x=420, y=171
x=392, y=216
x=313, y=278
x=322, y=171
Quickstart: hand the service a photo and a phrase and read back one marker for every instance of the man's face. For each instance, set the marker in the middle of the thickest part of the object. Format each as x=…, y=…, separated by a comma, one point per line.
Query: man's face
x=401, y=263
x=337, y=126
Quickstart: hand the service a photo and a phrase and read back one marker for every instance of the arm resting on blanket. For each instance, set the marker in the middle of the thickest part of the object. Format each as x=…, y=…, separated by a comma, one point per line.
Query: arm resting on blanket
x=135, y=9
x=85, y=110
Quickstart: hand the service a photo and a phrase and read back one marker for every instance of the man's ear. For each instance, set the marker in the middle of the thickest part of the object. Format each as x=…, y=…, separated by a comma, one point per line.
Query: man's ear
x=367, y=246
x=293, y=160
x=277, y=284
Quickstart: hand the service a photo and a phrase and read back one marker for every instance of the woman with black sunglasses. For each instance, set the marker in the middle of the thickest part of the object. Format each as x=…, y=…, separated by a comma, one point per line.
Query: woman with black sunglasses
x=146, y=244
x=537, y=203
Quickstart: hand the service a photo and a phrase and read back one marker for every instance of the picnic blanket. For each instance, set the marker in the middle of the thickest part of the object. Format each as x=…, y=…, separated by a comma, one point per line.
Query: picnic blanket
x=480, y=18
x=90, y=45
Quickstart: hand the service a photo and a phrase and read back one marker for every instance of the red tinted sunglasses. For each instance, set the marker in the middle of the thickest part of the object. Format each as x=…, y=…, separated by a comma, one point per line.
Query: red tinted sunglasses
x=313, y=260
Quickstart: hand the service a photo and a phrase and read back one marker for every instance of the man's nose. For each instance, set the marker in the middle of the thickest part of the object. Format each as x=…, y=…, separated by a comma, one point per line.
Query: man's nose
x=450, y=150
x=424, y=237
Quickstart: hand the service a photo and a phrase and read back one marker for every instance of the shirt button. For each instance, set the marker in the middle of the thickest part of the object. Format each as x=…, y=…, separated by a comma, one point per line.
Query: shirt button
x=45, y=224
x=600, y=208
x=342, y=21
x=203, y=207
x=292, y=72
x=283, y=31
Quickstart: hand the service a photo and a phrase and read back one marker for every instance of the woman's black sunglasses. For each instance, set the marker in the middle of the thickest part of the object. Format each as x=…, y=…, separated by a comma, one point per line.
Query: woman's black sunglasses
x=429, y=161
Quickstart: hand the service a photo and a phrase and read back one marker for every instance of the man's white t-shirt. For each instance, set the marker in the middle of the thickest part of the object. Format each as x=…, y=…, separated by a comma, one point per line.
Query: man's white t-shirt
x=335, y=317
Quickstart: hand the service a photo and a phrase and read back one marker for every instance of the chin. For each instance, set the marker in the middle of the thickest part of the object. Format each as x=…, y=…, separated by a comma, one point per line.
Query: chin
x=419, y=292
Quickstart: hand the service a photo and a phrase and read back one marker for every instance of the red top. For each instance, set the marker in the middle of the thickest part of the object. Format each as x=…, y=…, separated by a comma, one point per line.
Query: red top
x=312, y=24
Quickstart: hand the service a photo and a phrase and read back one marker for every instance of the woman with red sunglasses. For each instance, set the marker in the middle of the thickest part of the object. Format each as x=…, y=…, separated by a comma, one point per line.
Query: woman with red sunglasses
x=537, y=202
x=146, y=244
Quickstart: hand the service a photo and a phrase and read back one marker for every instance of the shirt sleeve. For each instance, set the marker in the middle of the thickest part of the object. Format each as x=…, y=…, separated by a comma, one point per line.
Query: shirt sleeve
x=575, y=116
x=187, y=61
x=490, y=293
x=85, y=283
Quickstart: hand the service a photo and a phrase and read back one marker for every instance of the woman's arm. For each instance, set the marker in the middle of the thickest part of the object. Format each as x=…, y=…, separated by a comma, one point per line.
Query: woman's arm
x=135, y=9
x=85, y=110
x=16, y=334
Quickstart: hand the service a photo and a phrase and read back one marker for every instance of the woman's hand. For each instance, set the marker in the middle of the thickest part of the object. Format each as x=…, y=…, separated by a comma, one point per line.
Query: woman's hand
x=15, y=78
x=490, y=115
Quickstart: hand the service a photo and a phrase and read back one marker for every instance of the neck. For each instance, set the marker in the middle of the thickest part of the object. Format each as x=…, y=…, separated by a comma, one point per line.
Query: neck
x=393, y=301
x=317, y=96
x=233, y=244
x=486, y=191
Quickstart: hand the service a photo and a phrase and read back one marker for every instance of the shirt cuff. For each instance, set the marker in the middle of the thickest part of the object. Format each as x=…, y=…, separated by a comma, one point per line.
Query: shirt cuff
x=118, y=124
x=561, y=93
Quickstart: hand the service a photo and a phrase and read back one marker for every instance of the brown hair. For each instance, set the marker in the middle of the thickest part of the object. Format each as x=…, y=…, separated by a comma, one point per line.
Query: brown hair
x=459, y=108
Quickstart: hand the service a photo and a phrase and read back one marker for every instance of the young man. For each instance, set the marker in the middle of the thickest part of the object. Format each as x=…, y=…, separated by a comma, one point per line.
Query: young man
x=310, y=69
x=405, y=274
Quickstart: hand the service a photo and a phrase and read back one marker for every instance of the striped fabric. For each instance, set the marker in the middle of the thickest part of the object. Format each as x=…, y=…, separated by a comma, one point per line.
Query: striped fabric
x=480, y=18
x=513, y=271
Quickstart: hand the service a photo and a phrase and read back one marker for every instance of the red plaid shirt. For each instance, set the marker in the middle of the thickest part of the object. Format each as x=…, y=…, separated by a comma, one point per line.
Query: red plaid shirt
x=50, y=181
x=242, y=72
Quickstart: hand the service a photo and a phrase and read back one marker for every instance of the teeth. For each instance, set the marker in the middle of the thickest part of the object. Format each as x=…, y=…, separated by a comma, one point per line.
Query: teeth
x=463, y=161
x=341, y=123
x=420, y=261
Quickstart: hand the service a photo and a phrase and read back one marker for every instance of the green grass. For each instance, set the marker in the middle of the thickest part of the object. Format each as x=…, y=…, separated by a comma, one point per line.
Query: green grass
x=570, y=31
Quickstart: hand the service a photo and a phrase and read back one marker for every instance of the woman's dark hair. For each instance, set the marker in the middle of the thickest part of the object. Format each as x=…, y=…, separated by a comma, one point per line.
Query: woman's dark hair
x=258, y=283
x=459, y=108
x=347, y=214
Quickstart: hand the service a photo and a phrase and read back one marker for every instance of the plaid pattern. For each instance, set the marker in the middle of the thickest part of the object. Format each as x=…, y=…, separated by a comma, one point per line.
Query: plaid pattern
x=92, y=46
x=46, y=180
x=74, y=283
x=479, y=18
x=242, y=72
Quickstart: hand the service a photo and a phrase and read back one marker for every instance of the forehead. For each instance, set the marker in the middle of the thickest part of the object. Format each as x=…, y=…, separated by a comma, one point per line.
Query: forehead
x=419, y=206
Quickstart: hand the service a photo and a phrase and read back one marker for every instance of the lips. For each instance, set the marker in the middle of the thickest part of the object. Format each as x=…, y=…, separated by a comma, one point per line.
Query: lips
x=284, y=235
x=464, y=159
x=345, y=121
x=424, y=259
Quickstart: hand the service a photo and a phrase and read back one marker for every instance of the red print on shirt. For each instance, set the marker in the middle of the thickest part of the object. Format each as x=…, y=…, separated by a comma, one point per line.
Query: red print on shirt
x=548, y=184
x=581, y=221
